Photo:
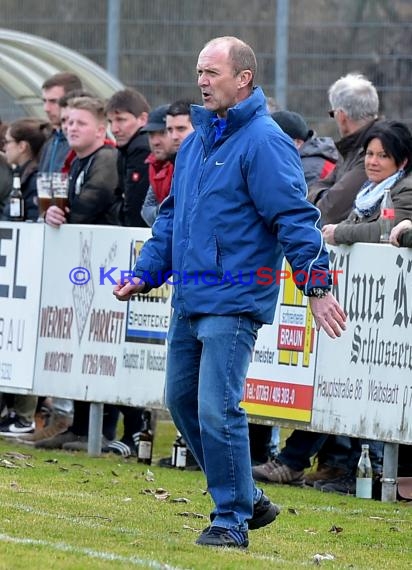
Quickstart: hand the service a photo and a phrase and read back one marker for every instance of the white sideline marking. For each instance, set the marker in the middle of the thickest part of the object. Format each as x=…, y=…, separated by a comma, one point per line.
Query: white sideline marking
x=92, y=522
x=61, y=546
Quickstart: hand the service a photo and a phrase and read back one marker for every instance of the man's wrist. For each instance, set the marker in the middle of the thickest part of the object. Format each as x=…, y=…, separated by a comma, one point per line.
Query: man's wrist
x=318, y=292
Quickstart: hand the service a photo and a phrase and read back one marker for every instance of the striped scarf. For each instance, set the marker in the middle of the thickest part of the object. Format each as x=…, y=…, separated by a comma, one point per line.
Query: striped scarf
x=370, y=195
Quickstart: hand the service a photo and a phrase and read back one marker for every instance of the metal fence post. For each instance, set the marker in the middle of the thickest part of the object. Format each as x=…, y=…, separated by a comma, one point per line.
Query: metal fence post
x=390, y=472
x=281, y=53
x=113, y=35
x=94, y=445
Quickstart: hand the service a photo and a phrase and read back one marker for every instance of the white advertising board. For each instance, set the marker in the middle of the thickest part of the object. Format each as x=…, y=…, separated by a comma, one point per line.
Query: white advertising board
x=92, y=346
x=63, y=333
x=363, y=383
x=21, y=258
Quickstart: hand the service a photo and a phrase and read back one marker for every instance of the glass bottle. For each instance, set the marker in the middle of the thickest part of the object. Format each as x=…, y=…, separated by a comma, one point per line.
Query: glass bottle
x=16, y=201
x=179, y=452
x=144, y=440
x=364, y=475
x=387, y=216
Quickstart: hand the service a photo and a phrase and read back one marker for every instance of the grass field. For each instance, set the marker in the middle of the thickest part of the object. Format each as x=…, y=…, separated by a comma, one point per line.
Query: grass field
x=65, y=510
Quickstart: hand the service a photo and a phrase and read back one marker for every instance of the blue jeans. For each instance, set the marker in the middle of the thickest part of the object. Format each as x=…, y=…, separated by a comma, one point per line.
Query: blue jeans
x=207, y=363
x=338, y=451
x=299, y=448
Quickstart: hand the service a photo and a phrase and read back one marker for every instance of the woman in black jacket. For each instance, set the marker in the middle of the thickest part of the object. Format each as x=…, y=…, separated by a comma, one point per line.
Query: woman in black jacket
x=23, y=142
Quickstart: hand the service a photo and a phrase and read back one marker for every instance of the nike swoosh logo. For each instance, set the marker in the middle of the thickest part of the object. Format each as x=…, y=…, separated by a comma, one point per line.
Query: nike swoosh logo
x=16, y=429
x=219, y=163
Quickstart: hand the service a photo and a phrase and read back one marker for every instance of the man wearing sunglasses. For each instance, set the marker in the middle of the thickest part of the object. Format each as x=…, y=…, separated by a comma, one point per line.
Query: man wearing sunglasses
x=354, y=106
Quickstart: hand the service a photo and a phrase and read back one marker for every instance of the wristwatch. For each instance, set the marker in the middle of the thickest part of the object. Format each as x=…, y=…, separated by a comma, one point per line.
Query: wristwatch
x=318, y=292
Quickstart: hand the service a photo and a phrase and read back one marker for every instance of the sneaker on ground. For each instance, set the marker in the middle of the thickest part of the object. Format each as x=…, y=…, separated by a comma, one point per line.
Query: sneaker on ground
x=58, y=424
x=15, y=426
x=344, y=485
x=57, y=441
x=7, y=420
x=274, y=471
x=80, y=444
x=323, y=473
x=165, y=462
x=119, y=447
x=223, y=537
x=264, y=512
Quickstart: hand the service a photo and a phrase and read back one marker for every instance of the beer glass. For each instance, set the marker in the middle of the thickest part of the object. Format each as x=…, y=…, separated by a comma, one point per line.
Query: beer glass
x=60, y=186
x=44, y=193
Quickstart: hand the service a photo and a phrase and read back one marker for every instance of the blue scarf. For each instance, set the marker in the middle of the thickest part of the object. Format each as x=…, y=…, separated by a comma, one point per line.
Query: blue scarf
x=370, y=195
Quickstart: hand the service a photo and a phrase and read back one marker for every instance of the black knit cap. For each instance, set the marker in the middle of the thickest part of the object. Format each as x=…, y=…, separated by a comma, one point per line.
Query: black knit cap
x=292, y=124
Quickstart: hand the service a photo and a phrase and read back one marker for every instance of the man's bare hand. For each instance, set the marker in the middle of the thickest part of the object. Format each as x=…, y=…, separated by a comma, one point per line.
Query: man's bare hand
x=328, y=315
x=328, y=233
x=125, y=290
x=55, y=216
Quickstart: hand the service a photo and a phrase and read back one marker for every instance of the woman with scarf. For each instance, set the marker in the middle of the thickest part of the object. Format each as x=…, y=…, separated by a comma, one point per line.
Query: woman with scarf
x=388, y=164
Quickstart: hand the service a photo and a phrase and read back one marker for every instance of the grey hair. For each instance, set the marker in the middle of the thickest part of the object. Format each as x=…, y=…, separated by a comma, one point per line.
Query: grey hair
x=356, y=96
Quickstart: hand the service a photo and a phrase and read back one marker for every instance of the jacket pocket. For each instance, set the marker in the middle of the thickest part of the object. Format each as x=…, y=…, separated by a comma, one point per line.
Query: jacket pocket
x=218, y=257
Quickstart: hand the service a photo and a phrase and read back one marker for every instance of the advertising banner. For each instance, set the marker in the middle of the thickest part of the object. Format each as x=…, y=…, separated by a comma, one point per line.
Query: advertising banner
x=64, y=334
x=281, y=374
x=92, y=346
x=21, y=258
x=363, y=383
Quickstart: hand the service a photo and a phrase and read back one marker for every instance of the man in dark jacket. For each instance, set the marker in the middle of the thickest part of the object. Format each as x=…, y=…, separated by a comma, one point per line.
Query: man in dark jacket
x=238, y=202
x=354, y=106
x=127, y=112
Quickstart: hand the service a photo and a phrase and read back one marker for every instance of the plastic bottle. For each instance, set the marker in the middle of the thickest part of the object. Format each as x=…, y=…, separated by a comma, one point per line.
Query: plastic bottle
x=144, y=440
x=179, y=452
x=387, y=217
x=16, y=201
x=364, y=475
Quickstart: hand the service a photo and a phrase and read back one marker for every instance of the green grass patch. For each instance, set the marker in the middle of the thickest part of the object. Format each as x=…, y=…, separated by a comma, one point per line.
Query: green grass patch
x=70, y=511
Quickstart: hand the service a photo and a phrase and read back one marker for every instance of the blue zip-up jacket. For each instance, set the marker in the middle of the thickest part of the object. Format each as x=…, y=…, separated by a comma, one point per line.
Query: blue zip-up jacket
x=236, y=207
x=54, y=152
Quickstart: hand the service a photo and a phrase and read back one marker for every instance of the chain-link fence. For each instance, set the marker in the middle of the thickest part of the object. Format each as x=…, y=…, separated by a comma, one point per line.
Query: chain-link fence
x=160, y=40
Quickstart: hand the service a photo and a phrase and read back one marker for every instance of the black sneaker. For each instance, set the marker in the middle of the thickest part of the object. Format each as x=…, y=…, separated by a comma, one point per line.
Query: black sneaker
x=14, y=426
x=165, y=462
x=223, y=537
x=120, y=447
x=5, y=421
x=264, y=512
x=344, y=485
